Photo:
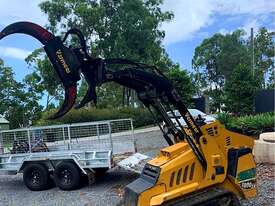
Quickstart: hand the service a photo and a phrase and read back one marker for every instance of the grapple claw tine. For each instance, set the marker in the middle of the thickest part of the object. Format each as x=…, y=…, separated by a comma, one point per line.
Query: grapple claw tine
x=2, y=35
x=64, y=60
x=89, y=96
x=70, y=97
x=28, y=28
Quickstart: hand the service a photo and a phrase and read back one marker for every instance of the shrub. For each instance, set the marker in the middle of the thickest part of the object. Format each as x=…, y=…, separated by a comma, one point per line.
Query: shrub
x=249, y=124
x=140, y=116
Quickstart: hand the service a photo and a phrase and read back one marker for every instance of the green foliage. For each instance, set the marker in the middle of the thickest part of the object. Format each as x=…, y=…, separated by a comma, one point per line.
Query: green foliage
x=125, y=29
x=109, y=95
x=240, y=91
x=214, y=61
x=271, y=80
x=182, y=83
x=18, y=102
x=264, y=56
x=249, y=124
x=217, y=56
x=43, y=80
x=218, y=60
x=140, y=116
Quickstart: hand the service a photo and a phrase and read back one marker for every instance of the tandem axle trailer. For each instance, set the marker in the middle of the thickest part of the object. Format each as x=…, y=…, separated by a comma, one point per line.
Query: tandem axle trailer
x=64, y=154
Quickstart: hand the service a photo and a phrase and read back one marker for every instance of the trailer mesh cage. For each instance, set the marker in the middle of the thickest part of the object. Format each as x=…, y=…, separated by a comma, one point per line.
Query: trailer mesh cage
x=79, y=136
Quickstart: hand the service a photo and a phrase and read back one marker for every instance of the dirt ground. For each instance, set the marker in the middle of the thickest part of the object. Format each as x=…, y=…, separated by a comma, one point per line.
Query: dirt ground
x=108, y=190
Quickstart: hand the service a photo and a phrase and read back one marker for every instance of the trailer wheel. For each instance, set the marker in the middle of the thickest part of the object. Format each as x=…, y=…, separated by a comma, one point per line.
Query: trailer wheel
x=36, y=177
x=67, y=176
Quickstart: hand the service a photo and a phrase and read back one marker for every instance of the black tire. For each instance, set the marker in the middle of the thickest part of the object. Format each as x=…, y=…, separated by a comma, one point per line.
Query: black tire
x=67, y=176
x=36, y=177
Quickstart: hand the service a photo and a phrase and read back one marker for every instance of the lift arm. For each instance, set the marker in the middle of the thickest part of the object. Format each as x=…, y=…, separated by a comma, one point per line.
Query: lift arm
x=153, y=89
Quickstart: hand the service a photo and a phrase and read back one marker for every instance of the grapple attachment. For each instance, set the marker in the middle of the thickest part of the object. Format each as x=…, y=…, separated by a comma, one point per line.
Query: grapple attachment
x=63, y=59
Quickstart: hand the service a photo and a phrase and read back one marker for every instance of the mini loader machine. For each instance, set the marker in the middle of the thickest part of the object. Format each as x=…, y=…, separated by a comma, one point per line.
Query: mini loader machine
x=204, y=164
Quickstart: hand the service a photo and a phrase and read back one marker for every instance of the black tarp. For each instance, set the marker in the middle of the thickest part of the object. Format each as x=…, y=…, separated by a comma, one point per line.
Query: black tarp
x=264, y=101
x=199, y=103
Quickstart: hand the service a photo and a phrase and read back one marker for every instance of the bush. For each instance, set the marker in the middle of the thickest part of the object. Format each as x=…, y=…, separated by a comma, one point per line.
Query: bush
x=249, y=124
x=140, y=116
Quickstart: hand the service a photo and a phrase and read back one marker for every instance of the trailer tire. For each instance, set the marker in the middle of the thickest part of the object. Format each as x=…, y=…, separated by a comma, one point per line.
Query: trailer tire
x=36, y=177
x=67, y=176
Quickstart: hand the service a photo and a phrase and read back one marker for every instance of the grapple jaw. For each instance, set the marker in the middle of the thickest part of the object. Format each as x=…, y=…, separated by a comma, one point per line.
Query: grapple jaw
x=70, y=97
x=63, y=59
x=28, y=28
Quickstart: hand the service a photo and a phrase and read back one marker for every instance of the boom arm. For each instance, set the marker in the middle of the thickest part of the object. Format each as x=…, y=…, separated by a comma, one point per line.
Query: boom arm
x=154, y=90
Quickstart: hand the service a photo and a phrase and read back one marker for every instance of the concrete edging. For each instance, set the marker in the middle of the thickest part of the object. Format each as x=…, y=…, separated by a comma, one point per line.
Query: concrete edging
x=264, y=148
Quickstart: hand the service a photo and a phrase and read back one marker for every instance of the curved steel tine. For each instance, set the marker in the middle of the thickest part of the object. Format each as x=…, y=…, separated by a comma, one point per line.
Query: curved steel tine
x=70, y=97
x=89, y=96
x=28, y=28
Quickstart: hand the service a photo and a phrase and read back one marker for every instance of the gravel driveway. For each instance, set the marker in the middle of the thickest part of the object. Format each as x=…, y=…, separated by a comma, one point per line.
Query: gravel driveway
x=108, y=189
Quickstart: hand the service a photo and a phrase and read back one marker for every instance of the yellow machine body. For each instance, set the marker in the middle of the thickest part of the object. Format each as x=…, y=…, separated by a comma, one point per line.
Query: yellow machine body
x=176, y=171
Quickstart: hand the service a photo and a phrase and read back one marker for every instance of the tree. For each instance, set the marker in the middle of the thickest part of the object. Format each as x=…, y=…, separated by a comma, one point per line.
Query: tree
x=182, y=83
x=43, y=80
x=18, y=103
x=208, y=71
x=205, y=62
x=240, y=90
x=213, y=62
x=271, y=80
x=125, y=29
x=264, y=56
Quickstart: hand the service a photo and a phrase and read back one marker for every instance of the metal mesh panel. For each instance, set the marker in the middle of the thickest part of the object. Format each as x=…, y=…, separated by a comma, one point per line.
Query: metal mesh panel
x=1, y=144
x=122, y=137
x=80, y=136
x=91, y=136
x=16, y=140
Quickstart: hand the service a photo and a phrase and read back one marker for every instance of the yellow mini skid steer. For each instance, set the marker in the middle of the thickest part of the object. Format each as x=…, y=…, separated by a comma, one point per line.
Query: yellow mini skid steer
x=204, y=164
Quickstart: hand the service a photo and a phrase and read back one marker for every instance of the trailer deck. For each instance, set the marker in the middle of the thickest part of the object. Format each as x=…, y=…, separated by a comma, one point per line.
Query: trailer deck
x=85, y=159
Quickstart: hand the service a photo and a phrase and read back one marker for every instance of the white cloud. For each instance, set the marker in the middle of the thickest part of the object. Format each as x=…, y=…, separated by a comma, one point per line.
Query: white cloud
x=253, y=7
x=14, y=52
x=193, y=15
x=251, y=22
x=224, y=31
x=190, y=16
x=21, y=10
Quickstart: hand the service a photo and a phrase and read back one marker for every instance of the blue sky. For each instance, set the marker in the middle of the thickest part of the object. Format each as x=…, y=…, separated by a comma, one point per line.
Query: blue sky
x=194, y=20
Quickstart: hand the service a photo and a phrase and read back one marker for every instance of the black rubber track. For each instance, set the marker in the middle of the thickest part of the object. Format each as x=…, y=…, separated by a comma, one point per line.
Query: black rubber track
x=208, y=197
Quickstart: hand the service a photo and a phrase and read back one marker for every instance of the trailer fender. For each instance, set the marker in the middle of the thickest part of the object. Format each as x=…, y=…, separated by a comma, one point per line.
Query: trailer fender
x=46, y=163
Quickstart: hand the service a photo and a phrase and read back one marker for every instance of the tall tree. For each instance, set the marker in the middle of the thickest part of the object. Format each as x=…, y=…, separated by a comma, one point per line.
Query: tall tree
x=264, y=56
x=43, y=79
x=271, y=80
x=128, y=29
x=240, y=90
x=214, y=60
x=208, y=72
x=125, y=29
x=18, y=103
x=182, y=83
